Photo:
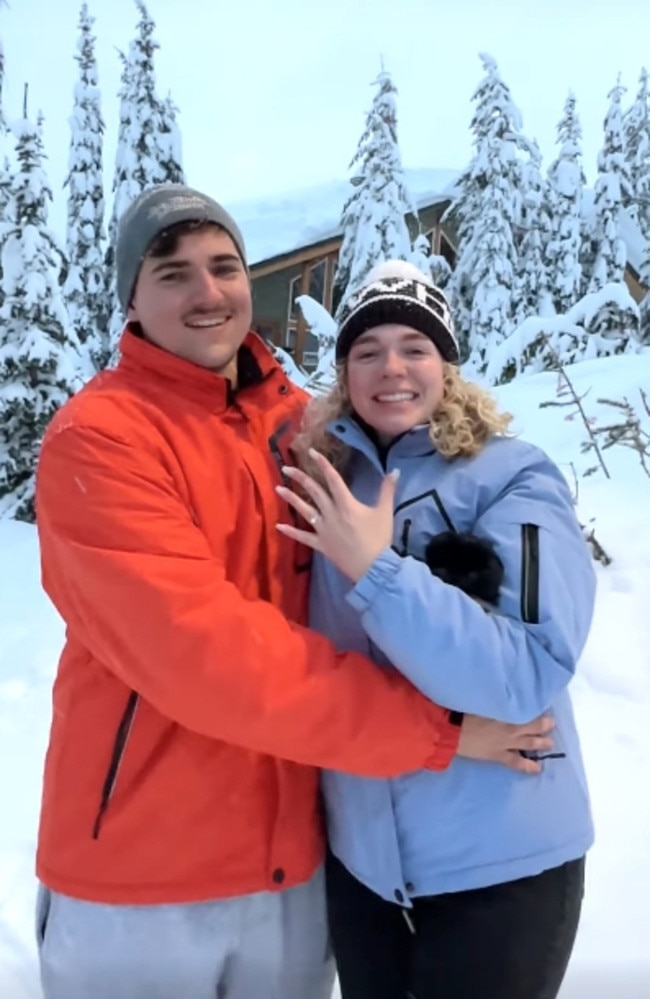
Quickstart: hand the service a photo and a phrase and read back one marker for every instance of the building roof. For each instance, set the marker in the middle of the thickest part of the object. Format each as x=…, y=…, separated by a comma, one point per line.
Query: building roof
x=281, y=223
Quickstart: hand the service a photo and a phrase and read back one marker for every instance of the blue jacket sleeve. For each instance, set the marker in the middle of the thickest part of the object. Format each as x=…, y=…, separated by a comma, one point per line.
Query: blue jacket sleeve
x=509, y=664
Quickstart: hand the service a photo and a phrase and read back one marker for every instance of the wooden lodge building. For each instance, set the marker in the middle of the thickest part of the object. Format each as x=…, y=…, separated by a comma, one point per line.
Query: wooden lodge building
x=293, y=246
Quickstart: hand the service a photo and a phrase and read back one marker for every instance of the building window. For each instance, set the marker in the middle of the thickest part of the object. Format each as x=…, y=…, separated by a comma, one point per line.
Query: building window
x=294, y=291
x=447, y=251
x=318, y=277
x=317, y=288
x=317, y=281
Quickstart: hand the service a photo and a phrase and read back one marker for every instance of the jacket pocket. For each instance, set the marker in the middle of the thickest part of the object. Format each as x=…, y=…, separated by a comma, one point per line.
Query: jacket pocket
x=119, y=748
x=530, y=573
x=43, y=905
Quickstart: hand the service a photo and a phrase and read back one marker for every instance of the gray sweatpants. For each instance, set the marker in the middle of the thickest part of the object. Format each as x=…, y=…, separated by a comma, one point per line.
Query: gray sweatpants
x=264, y=946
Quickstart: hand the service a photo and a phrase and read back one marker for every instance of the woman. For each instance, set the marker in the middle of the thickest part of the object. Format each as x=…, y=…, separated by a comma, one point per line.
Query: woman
x=451, y=551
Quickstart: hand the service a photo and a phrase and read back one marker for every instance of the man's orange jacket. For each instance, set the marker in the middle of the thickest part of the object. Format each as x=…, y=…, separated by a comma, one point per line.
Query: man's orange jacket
x=191, y=705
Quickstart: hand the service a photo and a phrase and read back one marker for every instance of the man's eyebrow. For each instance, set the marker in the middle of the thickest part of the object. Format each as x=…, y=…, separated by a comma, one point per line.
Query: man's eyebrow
x=177, y=265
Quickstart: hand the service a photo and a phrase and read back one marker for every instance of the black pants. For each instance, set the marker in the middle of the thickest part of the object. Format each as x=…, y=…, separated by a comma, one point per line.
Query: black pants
x=508, y=941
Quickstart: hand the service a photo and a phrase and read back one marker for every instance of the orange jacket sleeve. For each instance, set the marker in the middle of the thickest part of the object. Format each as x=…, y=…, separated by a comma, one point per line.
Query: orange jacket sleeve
x=137, y=584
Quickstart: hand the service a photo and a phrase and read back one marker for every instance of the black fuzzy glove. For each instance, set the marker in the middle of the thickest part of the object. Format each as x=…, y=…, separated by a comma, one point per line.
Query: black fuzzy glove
x=468, y=562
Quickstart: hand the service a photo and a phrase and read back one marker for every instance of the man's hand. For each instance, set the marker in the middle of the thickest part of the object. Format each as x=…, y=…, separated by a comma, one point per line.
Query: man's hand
x=501, y=742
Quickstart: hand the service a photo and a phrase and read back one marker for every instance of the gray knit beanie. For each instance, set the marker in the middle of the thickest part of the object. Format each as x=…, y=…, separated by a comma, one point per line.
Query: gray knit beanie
x=157, y=209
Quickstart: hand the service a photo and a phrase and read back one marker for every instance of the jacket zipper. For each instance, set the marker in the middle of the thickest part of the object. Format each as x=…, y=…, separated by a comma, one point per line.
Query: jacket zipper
x=119, y=746
x=530, y=573
x=404, y=540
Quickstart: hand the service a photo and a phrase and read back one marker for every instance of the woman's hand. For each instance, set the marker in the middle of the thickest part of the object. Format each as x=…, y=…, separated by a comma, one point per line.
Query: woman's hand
x=350, y=534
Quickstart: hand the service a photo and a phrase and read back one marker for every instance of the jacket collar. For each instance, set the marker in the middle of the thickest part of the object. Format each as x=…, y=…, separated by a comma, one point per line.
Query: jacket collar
x=257, y=367
x=415, y=443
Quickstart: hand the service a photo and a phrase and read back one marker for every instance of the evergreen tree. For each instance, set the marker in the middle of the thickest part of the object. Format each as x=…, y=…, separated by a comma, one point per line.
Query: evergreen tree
x=37, y=358
x=85, y=288
x=463, y=213
x=566, y=184
x=491, y=315
x=613, y=187
x=374, y=216
x=5, y=168
x=532, y=281
x=488, y=212
x=148, y=144
x=3, y=121
x=600, y=324
x=636, y=126
x=169, y=155
x=432, y=264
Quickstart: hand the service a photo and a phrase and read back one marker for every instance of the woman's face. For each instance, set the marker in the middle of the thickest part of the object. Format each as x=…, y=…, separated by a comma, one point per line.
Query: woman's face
x=395, y=379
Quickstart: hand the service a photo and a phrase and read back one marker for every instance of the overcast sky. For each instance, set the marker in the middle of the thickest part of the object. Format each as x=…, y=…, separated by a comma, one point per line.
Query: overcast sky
x=272, y=93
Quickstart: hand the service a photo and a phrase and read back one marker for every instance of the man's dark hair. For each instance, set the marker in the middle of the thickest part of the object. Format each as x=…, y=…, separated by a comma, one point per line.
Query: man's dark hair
x=166, y=242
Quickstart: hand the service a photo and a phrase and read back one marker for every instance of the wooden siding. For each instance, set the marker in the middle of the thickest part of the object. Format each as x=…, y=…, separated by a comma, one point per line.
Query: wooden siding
x=637, y=290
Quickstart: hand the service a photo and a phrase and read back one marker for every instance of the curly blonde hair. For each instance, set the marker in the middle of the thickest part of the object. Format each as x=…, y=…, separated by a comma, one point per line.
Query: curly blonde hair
x=466, y=417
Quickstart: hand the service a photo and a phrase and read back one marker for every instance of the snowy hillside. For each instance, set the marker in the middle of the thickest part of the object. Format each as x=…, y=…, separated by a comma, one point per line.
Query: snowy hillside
x=611, y=693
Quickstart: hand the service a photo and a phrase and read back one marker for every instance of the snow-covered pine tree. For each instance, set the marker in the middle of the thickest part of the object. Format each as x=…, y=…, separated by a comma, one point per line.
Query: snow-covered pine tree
x=491, y=315
x=85, y=289
x=612, y=189
x=169, y=157
x=600, y=324
x=531, y=295
x=636, y=127
x=374, y=216
x=433, y=264
x=462, y=213
x=566, y=184
x=148, y=144
x=486, y=213
x=38, y=360
x=3, y=121
x=5, y=168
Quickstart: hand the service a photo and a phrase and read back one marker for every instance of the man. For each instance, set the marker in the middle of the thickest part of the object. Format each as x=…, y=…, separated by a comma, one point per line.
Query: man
x=180, y=844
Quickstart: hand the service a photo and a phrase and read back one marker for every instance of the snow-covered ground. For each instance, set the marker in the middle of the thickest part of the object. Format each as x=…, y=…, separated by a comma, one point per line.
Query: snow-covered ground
x=611, y=693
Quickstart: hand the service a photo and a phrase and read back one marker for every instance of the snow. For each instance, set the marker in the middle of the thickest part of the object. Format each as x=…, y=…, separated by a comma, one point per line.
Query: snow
x=611, y=694
x=632, y=236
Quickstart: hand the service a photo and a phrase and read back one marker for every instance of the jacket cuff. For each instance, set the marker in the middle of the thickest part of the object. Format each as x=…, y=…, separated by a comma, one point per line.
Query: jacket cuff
x=382, y=570
x=446, y=747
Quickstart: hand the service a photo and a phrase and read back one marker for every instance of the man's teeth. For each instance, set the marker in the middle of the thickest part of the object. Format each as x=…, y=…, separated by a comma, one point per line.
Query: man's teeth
x=206, y=323
x=396, y=397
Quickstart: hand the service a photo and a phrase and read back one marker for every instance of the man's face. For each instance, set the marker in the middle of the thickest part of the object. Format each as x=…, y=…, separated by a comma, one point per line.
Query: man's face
x=196, y=302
